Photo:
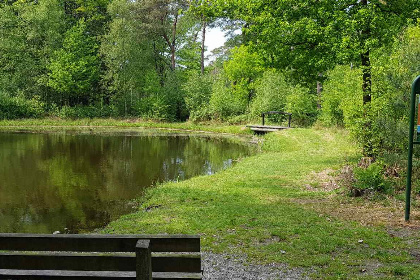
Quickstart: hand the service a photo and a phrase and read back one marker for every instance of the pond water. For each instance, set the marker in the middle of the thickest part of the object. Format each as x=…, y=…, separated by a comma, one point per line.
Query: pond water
x=82, y=181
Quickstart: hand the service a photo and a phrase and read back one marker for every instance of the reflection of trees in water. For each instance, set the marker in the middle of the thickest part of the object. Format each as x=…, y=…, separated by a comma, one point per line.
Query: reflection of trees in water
x=52, y=181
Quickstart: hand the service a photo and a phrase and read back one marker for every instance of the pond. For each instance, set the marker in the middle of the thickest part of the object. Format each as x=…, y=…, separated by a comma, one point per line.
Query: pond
x=74, y=182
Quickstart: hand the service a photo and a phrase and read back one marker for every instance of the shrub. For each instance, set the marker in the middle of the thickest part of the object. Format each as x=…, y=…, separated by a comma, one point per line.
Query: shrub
x=274, y=93
x=393, y=76
x=224, y=103
x=303, y=107
x=91, y=111
x=271, y=92
x=370, y=179
x=154, y=107
x=19, y=107
x=387, y=113
x=197, y=96
x=342, y=98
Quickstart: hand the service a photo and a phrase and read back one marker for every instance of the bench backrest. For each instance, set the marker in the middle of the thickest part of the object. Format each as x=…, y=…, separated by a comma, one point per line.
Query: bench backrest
x=98, y=252
x=97, y=242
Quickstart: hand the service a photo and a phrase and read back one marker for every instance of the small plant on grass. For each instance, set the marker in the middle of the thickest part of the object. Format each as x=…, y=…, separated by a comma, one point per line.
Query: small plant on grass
x=370, y=179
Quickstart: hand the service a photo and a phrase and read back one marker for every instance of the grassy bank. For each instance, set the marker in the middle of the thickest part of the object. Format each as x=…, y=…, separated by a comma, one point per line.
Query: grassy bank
x=52, y=123
x=258, y=208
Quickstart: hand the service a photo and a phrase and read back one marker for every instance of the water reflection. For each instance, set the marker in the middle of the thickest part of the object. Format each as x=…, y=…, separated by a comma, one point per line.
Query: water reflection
x=78, y=181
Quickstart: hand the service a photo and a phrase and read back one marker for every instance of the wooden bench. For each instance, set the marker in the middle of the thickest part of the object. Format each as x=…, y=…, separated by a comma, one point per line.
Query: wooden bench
x=68, y=256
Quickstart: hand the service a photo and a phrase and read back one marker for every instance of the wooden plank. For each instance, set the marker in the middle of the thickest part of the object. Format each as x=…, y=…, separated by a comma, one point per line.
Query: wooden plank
x=267, y=127
x=62, y=261
x=264, y=129
x=97, y=243
x=100, y=262
x=88, y=275
x=62, y=274
x=176, y=276
x=176, y=263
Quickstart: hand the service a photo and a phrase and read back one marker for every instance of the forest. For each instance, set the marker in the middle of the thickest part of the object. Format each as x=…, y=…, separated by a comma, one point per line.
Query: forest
x=344, y=63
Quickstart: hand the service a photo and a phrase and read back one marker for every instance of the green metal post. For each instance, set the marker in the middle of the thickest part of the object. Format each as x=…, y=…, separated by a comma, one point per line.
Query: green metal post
x=414, y=90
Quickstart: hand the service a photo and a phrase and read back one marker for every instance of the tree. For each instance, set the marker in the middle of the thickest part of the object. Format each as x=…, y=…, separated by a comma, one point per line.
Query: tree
x=130, y=57
x=94, y=12
x=74, y=69
x=30, y=32
x=205, y=11
x=162, y=21
x=242, y=70
x=308, y=37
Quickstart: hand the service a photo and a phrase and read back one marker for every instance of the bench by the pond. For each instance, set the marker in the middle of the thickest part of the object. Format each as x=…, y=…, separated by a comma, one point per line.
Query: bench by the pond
x=269, y=128
x=140, y=257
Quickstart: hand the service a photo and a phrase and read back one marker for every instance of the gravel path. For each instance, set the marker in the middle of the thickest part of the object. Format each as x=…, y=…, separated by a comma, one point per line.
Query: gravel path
x=225, y=267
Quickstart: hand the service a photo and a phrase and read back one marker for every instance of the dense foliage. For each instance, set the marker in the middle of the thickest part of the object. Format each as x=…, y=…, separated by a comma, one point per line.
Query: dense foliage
x=341, y=63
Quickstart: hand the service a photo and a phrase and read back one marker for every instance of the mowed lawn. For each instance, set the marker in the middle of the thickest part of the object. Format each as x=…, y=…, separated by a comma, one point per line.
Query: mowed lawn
x=257, y=208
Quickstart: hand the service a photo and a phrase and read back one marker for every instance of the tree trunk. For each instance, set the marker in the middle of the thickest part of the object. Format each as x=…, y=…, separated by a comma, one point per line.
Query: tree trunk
x=172, y=42
x=203, y=45
x=367, y=134
x=365, y=57
x=173, y=61
x=367, y=77
x=319, y=89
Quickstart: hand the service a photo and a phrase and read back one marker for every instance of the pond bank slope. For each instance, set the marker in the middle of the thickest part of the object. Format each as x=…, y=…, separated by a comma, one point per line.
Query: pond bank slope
x=254, y=209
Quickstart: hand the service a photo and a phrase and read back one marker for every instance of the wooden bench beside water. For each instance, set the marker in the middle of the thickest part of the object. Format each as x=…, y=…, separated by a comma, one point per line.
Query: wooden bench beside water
x=261, y=129
x=89, y=256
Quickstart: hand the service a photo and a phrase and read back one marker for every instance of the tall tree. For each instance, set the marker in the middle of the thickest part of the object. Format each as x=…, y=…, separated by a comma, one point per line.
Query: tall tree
x=74, y=69
x=163, y=20
x=308, y=37
x=94, y=12
x=205, y=11
x=131, y=56
x=30, y=31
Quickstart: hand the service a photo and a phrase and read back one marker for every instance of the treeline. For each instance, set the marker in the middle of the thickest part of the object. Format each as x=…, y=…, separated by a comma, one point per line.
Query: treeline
x=343, y=63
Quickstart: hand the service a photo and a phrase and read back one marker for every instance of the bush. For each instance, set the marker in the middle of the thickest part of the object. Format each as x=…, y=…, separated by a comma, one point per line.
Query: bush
x=342, y=98
x=197, y=96
x=303, y=107
x=224, y=102
x=370, y=179
x=393, y=76
x=271, y=92
x=274, y=93
x=91, y=111
x=237, y=120
x=171, y=104
x=154, y=107
x=19, y=107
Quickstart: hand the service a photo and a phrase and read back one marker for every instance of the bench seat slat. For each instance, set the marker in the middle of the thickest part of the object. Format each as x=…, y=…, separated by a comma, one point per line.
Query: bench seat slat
x=97, y=242
x=176, y=276
x=81, y=275
x=101, y=262
x=65, y=274
x=66, y=262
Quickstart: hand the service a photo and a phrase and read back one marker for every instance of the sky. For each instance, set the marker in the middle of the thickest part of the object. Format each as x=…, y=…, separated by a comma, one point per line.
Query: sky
x=215, y=38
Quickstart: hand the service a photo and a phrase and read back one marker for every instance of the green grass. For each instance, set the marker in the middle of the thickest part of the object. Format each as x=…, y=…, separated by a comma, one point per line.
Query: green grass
x=255, y=208
x=52, y=123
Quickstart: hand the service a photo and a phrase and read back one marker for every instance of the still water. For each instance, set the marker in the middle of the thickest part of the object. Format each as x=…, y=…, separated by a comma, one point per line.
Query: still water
x=82, y=181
